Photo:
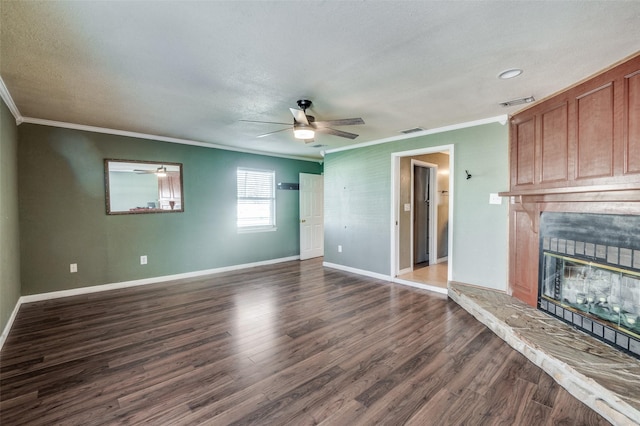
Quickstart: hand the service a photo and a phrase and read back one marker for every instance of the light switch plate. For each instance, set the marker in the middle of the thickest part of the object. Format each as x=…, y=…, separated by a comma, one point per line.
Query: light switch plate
x=407, y=207
x=494, y=198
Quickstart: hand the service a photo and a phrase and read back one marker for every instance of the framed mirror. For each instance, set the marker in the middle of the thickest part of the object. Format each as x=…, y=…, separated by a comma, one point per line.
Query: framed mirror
x=138, y=187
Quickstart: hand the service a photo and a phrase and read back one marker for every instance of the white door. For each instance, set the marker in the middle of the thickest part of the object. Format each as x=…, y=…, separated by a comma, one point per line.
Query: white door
x=311, y=216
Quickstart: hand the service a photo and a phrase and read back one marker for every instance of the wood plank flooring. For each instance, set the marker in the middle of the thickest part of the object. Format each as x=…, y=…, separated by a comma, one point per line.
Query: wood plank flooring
x=286, y=344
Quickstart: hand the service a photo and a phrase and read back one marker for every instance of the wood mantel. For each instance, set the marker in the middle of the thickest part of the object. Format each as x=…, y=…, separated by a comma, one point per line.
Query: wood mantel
x=604, y=194
x=588, y=191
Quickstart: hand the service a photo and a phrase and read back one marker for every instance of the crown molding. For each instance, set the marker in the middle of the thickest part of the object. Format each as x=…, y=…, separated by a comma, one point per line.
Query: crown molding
x=127, y=133
x=502, y=119
x=6, y=96
x=8, y=100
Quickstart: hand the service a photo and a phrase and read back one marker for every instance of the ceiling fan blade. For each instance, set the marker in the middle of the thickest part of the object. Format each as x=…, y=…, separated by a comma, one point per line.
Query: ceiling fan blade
x=264, y=122
x=277, y=131
x=299, y=116
x=342, y=122
x=335, y=132
x=309, y=140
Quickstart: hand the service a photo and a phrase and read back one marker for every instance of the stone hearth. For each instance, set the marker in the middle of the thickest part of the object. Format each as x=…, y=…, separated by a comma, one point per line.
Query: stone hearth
x=602, y=377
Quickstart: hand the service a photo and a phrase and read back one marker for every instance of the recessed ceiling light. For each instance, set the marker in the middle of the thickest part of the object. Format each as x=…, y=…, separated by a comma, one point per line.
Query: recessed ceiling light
x=510, y=73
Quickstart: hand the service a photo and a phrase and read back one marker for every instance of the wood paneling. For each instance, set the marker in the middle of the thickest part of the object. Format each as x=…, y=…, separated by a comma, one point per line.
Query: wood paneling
x=595, y=133
x=286, y=344
x=554, y=144
x=632, y=123
x=524, y=152
x=170, y=190
x=523, y=274
x=587, y=149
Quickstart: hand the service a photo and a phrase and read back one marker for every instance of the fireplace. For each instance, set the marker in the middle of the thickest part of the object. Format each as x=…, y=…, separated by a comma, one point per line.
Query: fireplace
x=590, y=274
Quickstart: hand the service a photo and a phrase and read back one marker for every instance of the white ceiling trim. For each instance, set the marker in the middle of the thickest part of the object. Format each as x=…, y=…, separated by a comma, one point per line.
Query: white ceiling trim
x=6, y=96
x=502, y=119
x=8, y=100
x=126, y=133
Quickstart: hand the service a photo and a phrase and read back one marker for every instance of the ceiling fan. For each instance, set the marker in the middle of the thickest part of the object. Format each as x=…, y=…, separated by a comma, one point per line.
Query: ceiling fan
x=160, y=171
x=305, y=126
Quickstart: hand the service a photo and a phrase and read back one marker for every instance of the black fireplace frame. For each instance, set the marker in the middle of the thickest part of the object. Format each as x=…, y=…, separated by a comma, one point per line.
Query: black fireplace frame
x=580, y=236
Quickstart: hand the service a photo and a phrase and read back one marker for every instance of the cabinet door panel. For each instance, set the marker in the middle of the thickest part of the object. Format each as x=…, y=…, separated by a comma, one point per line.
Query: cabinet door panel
x=595, y=133
x=523, y=257
x=554, y=144
x=524, y=152
x=169, y=191
x=632, y=123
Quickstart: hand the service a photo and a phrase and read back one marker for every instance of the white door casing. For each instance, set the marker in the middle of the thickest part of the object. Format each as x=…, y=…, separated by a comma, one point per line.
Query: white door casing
x=311, y=216
x=395, y=205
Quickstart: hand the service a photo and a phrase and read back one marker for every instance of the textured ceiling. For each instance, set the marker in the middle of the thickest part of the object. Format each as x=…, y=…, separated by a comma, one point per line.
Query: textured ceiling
x=192, y=70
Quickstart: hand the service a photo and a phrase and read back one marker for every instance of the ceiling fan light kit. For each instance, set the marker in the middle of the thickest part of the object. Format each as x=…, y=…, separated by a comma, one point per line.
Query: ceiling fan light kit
x=303, y=131
x=305, y=126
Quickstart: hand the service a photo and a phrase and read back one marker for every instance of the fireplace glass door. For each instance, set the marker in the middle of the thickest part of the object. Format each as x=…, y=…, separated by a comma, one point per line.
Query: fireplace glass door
x=598, y=291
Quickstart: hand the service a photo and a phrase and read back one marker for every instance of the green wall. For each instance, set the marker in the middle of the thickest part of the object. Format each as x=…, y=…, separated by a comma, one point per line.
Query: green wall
x=63, y=219
x=358, y=204
x=9, y=236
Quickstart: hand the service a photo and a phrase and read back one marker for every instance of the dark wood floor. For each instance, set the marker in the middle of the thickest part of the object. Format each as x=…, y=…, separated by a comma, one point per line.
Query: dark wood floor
x=291, y=343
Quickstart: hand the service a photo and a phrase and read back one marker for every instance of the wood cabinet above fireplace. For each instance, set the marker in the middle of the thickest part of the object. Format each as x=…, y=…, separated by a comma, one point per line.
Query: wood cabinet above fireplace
x=587, y=135
x=578, y=150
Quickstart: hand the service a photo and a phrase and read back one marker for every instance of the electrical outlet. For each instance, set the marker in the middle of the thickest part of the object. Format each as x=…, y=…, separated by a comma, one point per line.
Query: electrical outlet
x=339, y=249
x=73, y=268
x=495, y=199
x=143, y=260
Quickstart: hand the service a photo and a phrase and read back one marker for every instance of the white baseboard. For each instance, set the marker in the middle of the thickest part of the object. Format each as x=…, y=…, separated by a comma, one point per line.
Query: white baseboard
x=428, y=287
x=357, y=271
x=124, y=284
x=12, y=318
x=442, y=259
x=405, y=271
x=144, y=281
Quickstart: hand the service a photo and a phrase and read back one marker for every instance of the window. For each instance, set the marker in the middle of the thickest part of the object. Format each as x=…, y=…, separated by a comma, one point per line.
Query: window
x=256, y=199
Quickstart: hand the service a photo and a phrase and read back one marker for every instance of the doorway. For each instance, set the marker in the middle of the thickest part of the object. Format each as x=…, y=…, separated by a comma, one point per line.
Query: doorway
x=416, y=241
x=424, y=214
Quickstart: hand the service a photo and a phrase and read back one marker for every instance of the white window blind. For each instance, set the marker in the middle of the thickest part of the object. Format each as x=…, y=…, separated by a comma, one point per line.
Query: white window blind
x=256, y=198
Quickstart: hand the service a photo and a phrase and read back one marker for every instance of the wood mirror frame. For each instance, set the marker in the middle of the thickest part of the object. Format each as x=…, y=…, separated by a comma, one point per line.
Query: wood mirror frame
x=142, y=187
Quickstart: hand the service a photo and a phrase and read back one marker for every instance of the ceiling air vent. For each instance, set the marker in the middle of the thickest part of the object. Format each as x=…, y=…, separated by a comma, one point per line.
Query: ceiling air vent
x=520, y=101
x=414, y=130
